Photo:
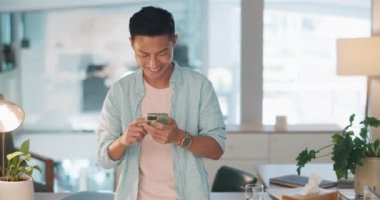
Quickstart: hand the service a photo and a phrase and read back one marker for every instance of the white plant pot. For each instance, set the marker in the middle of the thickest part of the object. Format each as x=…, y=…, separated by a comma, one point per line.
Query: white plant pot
x=20, y=190
x=368, y=174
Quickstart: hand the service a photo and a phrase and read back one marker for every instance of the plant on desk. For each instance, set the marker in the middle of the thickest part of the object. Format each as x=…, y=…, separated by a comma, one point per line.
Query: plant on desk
x=351, y=153
x=17, y=182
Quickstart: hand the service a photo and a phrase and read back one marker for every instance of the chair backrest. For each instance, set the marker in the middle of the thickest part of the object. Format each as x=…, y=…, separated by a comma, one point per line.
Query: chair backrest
x=229, y=179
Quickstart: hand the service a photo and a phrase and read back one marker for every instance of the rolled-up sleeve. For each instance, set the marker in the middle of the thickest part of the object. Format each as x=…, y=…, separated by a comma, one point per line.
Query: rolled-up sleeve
x=110, y=127
x=211, y=122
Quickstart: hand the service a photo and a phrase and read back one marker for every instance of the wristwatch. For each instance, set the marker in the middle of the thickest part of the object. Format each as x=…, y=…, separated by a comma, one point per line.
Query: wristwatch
x=186, y=141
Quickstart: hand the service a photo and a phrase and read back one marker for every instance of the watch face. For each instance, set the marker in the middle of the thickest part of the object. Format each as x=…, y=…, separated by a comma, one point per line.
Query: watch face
x=186, y=141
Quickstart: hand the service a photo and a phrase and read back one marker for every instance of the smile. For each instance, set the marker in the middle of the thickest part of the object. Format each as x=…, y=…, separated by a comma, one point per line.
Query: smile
x=155, y=69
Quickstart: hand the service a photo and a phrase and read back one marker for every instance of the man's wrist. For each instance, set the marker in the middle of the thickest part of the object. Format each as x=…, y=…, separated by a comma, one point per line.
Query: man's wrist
x=181, y=136
x=121, y=143
x=186, y=140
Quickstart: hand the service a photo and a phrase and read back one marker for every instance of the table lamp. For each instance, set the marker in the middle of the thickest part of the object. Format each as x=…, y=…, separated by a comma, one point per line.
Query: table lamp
x=11, y=117
x=359, y=56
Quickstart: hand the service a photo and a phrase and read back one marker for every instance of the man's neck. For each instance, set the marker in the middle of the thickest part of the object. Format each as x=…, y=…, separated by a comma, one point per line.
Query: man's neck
x=162, y=82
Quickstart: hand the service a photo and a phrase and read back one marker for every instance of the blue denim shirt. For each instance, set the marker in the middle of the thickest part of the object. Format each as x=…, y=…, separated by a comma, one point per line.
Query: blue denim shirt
x=195, y=108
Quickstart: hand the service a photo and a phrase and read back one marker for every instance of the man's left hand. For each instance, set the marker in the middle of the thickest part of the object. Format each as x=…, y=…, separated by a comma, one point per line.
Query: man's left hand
x=164, y=133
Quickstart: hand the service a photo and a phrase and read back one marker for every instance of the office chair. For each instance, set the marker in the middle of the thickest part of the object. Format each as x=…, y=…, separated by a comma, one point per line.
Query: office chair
x=230, y=179
x=47, y=167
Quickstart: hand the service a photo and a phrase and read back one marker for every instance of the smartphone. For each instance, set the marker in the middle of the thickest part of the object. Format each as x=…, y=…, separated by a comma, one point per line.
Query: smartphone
x=160, y=117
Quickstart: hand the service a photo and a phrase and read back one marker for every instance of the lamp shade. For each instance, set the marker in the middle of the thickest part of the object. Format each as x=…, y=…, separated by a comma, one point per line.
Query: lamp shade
x=11, y=115
x=358, y=56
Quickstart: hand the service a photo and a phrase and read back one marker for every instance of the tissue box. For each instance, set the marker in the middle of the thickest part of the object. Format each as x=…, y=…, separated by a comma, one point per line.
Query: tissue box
x=323, y=195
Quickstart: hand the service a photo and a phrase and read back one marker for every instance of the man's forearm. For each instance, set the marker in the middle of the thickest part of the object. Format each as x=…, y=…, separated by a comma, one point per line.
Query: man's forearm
x=205, y=146
x=116, y=150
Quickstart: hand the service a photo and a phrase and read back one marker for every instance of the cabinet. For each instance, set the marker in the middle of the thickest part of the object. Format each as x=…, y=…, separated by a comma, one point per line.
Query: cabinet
x=247, y=150
x=243, y=151
x=284, y=148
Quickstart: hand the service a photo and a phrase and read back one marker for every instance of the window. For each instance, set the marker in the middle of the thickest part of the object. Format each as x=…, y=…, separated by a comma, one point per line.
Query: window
x=224, y=55
x=78, y=53
x=300, y=78
x=74, y=55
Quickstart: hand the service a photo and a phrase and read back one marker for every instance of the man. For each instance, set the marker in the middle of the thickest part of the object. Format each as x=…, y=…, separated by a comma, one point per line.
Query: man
x=160, y=161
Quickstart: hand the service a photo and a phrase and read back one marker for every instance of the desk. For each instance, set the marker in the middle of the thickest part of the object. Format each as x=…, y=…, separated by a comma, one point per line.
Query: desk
x=267, y=171
x=214, y=196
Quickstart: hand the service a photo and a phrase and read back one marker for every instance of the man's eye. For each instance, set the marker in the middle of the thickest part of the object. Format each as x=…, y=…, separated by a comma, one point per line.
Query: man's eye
x=162, y=53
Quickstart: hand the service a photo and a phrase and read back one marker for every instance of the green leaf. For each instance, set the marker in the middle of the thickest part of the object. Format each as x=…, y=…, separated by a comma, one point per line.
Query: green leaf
x=23, y=163
x=14, y=155
x=25, y=146
x=336, y=138
x=28, y=171
x=304, y=157
x=364, y=133
x=374, y=149
x=28, y=156
x=352, y=117
x=341, y=154
x=38, y=168
x=373, y=122
x=356, y=157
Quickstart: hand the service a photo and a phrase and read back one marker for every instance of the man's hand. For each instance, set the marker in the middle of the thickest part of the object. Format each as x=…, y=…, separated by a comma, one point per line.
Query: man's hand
x=134, y=134
x=163, y=133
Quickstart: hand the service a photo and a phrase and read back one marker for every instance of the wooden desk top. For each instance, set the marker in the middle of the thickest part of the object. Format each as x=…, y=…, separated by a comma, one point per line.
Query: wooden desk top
x=267, y=171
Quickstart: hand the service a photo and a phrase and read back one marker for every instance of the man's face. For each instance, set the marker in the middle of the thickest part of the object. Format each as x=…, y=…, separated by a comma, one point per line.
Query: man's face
x=154, y=55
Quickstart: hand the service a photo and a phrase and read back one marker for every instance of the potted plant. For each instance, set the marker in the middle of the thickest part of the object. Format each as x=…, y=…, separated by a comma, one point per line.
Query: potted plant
x=354, y=153
x=17, y=182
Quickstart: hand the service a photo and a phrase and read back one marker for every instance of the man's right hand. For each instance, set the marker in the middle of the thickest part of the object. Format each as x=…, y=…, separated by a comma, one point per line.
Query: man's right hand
x=134, y=133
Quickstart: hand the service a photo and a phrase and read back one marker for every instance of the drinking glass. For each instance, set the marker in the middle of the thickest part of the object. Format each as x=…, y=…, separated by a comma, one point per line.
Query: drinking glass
x=254, y=191
x=370, y=193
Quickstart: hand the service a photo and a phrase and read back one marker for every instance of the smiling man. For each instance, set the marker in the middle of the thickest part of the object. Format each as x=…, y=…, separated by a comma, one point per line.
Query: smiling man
x=160, y=161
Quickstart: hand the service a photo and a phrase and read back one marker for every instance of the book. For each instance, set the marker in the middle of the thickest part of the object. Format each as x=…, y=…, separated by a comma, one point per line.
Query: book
x=298, y=181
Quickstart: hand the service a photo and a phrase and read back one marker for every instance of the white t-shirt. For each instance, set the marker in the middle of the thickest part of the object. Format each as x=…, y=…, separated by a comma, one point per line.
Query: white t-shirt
x=156, y=161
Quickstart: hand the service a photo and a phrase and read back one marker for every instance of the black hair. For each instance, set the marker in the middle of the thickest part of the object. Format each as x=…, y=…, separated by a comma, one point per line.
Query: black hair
x=151, y=21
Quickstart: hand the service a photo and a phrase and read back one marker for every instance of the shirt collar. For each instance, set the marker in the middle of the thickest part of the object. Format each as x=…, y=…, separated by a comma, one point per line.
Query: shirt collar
x=175, y=79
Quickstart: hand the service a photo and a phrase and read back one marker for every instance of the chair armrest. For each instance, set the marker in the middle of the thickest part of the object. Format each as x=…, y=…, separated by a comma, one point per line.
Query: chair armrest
x=49, y=170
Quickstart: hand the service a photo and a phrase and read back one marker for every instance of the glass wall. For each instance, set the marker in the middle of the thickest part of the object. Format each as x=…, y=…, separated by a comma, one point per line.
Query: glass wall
x=300, y=79
x=74, y=56
x=7, y=42
x=224, y=35
x=70, y=57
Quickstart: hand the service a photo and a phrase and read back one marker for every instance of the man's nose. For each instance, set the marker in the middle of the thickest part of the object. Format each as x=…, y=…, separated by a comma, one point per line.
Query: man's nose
x=153, y=61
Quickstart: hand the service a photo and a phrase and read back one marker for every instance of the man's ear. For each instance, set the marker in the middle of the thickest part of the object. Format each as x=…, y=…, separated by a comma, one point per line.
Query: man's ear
x=174, y=39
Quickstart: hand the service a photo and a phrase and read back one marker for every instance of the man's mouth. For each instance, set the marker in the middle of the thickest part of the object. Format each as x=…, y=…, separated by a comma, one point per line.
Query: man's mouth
x=154, y=69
